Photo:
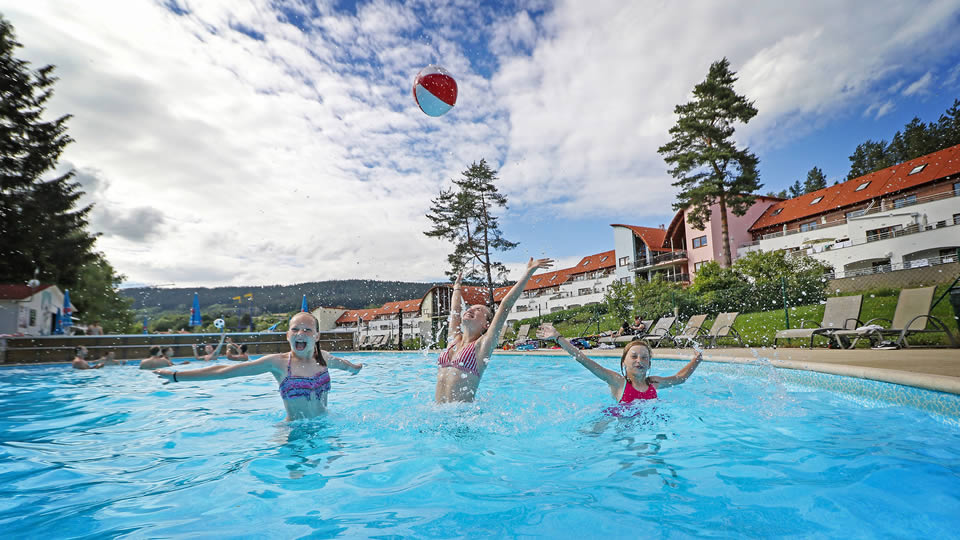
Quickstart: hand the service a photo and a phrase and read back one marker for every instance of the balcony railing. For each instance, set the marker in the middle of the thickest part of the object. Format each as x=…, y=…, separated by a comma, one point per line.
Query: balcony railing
x=884, y=268
x=676, y=277
x=671, y=256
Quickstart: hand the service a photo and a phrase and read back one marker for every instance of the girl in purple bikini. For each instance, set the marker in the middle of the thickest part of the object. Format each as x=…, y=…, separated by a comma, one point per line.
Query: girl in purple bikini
x=303, y=373
x=632, y=383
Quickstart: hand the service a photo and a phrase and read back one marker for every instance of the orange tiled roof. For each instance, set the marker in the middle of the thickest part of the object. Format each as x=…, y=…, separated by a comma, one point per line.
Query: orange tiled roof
x=887, y=181
x=548, y=279
x=607, y=259
x=500, y=292
x=653, y=237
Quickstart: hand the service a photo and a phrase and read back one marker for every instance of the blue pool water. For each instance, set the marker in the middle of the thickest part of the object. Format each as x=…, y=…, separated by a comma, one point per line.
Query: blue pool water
x=734, y=452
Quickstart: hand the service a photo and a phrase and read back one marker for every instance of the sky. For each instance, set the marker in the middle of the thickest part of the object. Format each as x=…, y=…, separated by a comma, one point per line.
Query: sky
x=278, y=142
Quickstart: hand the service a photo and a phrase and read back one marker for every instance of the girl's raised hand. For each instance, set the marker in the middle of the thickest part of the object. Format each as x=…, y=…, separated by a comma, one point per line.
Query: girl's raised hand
x=547, y=331
x=539, y=263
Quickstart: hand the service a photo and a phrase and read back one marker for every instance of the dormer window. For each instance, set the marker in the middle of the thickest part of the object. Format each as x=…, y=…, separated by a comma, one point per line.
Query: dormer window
x=818, y=199
x=586, y=263
x=605, y=257
x=862, y=186
x=917, y=169
x=777, y=212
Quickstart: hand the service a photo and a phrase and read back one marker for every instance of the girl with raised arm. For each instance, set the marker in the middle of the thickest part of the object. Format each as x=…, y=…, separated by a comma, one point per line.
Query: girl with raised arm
x=472, y=335
x=303, y=373
x=632, y=383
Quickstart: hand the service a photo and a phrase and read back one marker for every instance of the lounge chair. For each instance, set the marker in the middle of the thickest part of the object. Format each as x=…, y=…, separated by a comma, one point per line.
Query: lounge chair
x=723, y=328
x=660, y=331
x=364, y=341
x=840, y=313
x=691, y=331
x=376, y=342
x=911, y=317
x=522, y=335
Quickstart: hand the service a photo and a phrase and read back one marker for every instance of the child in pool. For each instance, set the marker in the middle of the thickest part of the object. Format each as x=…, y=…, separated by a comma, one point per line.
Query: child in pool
x=303, y=373
x=632, y=383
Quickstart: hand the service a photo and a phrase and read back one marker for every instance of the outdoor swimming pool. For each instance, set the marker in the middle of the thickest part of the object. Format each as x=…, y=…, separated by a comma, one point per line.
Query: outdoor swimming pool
x=736, y=451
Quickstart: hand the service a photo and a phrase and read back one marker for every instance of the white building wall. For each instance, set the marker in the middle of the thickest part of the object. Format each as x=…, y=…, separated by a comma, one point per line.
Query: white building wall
x=623, y=246
x=17, y=314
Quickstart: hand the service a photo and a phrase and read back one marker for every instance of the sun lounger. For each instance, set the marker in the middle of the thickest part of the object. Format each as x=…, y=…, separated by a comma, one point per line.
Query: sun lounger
x=364, y=341
x=376, y=341
x=522, y=334
x=723, y=328
x=911, y=317
x=691, y=331
x=840, y=313
x=660, y=331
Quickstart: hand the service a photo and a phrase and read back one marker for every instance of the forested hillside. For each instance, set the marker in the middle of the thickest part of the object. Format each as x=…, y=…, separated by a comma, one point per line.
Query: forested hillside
x=351, y=294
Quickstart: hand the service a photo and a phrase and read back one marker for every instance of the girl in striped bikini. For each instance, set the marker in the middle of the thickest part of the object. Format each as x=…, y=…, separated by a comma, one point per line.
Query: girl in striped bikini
x=303, y=373
x=472, y=335
x=633, y=383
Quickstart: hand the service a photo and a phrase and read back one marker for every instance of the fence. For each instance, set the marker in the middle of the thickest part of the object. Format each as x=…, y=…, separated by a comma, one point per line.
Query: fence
x=895, y=276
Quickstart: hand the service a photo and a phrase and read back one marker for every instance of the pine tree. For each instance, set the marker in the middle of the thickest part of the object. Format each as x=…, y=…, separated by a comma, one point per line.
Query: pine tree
x=42, y=228
x=463, y=214
x=704, y=157
x=796, y=189
x=868, y=157
x=815, y=180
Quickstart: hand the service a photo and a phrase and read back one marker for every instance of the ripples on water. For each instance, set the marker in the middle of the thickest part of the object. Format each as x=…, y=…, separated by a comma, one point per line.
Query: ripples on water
x=113, y=452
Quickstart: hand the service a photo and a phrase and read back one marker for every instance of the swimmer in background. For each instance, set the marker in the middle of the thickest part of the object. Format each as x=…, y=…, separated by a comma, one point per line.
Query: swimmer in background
x=472, y=336
x=633, y=382
x=158, y=359
x=303, y=373
x=79, y=359
x=110, y=359
x=210, y=353
x=237, y=353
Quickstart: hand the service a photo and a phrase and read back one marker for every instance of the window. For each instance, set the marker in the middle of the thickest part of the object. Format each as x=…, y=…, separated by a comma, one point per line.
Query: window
x=862, y=186
x=811, y=226
x=696, y=266
x=856, y=213
x=625, y=280
x=584, y=291
x=624, y=261
x=776, y=212
x=818, y=199
x=917, y=169
x=905, y=201
x=605, y=257
x=586, y=262
x=956, y=219
x=956, y=189
x=700, y=241
x=883, y=233
x=33, y=317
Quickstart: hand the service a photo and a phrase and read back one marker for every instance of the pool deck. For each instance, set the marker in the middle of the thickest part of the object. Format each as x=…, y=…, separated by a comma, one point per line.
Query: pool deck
x=933, y=369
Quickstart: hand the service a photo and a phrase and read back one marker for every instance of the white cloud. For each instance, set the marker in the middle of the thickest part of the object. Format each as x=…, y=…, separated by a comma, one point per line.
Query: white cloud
x=302, y=156
x=879, y=109
x=921, y=85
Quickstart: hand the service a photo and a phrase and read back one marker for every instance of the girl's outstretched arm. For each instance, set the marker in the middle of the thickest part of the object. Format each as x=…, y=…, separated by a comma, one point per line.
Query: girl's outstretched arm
x=680, y=376
x=335, y=362
x=546, y=331
x=265, y=364
x=216, y=352
x=500, y=317
x=456, y=309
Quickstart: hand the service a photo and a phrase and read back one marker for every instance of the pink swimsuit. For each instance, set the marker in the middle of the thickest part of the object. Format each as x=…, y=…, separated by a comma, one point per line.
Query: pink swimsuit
x=466, y=360
x=631, y=394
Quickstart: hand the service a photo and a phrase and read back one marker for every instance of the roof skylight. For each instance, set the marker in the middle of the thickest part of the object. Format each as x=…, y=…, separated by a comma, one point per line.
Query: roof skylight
x=818, y=199
x=863, y=186
x=777, y=211
x=917, y=169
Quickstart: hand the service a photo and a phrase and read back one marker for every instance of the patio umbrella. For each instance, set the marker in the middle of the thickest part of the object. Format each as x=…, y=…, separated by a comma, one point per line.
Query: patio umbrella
x=195, y=319
x=145, y=325
x=303, y=304
x=58, y=324
x=67, y=318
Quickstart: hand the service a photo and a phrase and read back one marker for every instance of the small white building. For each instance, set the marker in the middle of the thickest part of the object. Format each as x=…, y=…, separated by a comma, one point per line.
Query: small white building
x=30, y=311
x=895, y=218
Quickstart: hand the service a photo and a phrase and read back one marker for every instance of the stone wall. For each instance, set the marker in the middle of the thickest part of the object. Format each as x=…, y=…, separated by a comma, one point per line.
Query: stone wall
x=941, y=274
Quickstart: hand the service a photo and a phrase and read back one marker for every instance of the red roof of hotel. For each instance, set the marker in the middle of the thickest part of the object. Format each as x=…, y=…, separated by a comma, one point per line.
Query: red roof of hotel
x=887, y=181
x=607, y=259
x=19, y=292
x=548, y=279
x=653, y=237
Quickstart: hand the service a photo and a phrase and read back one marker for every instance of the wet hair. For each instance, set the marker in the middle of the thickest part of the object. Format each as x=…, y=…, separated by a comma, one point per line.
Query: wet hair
x=243, y=348
x=626, y=351
x=165, y=349
x=77, y=351
x=316, y=324
x=155, y=350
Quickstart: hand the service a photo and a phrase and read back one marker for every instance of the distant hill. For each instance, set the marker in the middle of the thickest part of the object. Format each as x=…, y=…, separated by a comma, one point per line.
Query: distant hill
x=349, y=293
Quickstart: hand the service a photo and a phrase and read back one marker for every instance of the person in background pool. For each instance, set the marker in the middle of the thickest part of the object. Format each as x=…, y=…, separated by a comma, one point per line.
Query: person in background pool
x=237, y=352
x=80, y=359
x=210, y=353
x=110, y=359
x=158, y=360
x=472, y=336
x=303, y=373
x=633, y=382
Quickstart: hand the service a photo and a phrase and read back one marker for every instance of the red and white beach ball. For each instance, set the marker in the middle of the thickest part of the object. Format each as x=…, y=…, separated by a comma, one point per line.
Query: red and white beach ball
x=435, y=90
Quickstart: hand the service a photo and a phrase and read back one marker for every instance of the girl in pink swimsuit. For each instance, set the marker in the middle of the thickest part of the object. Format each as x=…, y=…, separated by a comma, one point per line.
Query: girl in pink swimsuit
x=472, y=336
x=632, y=383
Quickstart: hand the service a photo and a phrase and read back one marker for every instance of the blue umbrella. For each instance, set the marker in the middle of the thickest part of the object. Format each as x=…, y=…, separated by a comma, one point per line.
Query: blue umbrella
x=58, y=326
x=195, y=319
x=303, y=305
x=67, y=319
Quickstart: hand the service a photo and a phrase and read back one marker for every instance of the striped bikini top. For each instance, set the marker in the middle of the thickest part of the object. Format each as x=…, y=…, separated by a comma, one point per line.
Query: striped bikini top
x=466, y=359
x=293, y=386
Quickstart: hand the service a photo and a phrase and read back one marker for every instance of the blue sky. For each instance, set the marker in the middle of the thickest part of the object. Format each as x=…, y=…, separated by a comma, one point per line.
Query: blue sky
x=260, y=142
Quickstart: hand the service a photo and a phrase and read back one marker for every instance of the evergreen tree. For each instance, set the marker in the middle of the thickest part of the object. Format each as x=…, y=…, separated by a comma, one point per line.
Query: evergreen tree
x=706, y=162
x=796, y=189
x=868, y=157
x=463, y=215
x=815, y=180
x=97, y=297
x=42, y=228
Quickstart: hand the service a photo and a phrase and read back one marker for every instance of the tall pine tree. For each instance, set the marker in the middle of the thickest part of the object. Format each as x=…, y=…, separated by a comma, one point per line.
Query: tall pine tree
x=41, y=225
x=815, y=180
x=463, y=214
x=704, y=158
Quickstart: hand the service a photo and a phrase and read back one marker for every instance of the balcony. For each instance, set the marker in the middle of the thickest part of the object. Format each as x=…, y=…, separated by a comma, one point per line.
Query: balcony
x=664, y=259
x=884, y=268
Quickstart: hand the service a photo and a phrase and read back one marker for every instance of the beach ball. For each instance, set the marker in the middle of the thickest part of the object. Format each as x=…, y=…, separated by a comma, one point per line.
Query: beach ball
x=435, y=90
x=219, y=323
